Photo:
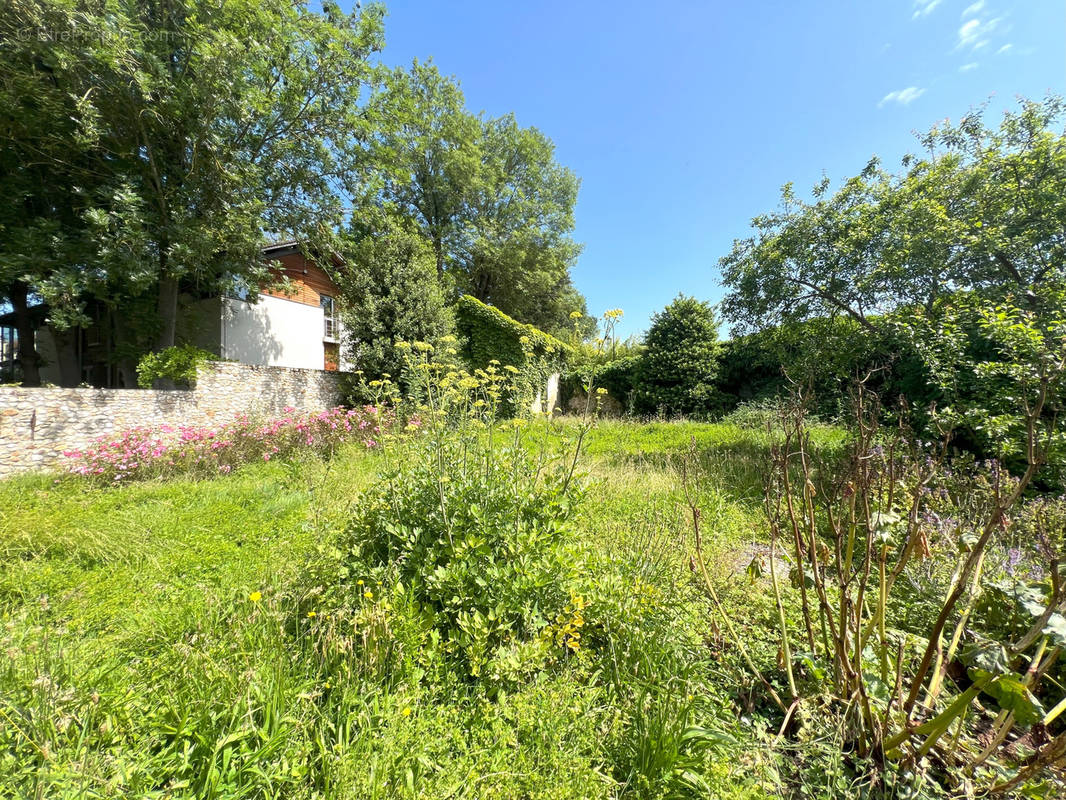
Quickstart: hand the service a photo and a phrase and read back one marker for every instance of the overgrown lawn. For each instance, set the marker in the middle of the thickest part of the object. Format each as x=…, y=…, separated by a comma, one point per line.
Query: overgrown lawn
x=162, y=639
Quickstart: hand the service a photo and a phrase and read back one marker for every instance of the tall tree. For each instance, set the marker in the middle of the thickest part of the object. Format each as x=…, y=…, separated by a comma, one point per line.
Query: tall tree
x=43, y=234
x=390, y=294
x=199, y=129
x=924, y=262
x=487, y=194
x=424, y=157
x=984, y=212
x=522, y=216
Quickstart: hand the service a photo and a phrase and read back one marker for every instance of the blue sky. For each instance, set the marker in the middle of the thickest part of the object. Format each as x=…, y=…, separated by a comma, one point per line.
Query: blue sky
x=683, y=119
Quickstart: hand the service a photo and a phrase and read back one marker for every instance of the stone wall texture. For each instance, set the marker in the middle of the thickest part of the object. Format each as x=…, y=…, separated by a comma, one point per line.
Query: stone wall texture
x=37, y=425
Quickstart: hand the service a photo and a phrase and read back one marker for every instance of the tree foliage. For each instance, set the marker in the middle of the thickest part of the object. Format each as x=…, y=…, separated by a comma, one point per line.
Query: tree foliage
x=677, y=370
x=153, y=147
x=390, y=294
x=486, y=193
x=920, y=265
x=984, y=212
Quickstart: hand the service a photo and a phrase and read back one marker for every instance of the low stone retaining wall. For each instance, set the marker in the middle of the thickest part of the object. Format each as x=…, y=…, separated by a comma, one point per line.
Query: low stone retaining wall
x=37, y=425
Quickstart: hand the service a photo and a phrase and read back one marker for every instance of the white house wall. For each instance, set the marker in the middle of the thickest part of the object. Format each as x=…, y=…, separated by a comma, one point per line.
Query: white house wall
x=273, y=332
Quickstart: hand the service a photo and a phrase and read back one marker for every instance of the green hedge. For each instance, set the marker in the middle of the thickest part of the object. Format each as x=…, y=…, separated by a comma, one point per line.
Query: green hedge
x=490, y=335
x=618, y=377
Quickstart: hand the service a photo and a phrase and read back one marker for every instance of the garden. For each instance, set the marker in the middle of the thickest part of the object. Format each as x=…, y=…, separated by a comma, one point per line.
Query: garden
x=821, y=554
x=455, y=599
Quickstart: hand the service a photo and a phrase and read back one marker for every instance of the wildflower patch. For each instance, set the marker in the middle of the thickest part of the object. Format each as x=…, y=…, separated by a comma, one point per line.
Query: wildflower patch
x=165, y=450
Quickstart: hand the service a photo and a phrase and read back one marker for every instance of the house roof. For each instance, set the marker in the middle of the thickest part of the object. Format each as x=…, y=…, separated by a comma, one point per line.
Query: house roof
x=292, y=246
x=278, y=249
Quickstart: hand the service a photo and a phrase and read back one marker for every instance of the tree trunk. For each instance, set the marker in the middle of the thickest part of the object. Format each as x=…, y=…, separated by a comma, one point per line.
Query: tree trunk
x=125, y=368
x=28, y=359
x=482, y=285
x=168, y=311
x=438, y=252
x=67, y=356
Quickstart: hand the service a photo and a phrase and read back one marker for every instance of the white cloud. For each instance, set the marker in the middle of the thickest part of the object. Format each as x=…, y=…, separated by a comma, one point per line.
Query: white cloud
x=974, y=33
x=974, y=9
x=968, y=32
x=923, y=8
x=902, y=96
x=967, y=67
x=1004, y=49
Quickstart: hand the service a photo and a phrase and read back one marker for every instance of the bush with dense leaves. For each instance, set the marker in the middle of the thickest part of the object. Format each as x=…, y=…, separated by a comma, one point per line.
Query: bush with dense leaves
x=474, y=526
x=178, y=365
x=491, y=337
x=482, y=545
x=391, y=294
x=680, y=361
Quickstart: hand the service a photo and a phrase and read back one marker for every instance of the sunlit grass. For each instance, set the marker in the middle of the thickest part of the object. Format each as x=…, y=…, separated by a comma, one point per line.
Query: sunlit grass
x=156, y=641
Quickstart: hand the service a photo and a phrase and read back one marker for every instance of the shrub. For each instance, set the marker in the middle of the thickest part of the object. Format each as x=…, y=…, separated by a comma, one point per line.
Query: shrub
x=476, y=528
x=391, y=294
x=756, y=415
x=677, y=370
x=618, y=378
x=178, y=364
x=482, y=552
x=165, y=451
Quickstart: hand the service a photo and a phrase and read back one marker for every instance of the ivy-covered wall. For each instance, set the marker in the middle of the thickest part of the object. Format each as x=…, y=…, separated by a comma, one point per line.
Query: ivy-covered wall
x=488, y=335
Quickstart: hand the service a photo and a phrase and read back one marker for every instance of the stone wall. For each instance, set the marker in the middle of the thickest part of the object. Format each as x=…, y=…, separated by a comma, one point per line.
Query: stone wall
x=37, y=425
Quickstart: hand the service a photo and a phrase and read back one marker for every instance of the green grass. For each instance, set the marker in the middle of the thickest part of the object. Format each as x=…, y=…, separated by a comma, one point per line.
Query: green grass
x=136, y=664
x=624, y=438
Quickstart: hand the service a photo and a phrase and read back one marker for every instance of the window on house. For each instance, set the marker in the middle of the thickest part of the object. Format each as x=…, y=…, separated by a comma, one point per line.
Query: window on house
x=329, y=311
x=9, y=344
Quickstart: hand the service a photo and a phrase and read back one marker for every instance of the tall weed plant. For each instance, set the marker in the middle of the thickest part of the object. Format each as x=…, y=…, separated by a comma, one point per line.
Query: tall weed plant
x=909, y=609
x=472, y=524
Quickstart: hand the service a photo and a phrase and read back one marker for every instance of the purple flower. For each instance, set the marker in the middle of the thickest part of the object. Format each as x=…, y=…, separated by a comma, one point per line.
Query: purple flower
x=1014, y=557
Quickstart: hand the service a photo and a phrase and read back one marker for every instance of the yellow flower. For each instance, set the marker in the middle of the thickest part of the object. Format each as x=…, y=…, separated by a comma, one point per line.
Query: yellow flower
x=255, y=597
x=406, y=711
x=359, y=582
x=369, y=595
x=311, y=615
